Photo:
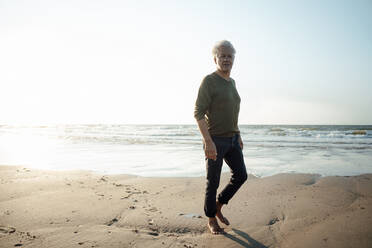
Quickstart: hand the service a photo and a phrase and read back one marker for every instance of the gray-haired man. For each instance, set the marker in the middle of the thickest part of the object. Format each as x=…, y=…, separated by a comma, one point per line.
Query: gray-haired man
x=216, y=112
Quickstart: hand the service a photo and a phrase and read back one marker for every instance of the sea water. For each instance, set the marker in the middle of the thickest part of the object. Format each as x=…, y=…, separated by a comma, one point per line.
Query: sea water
x=176, y=150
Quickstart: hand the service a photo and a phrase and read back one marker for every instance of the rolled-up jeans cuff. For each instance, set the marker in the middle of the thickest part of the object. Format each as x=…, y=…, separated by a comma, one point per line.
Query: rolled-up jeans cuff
x=222, y=201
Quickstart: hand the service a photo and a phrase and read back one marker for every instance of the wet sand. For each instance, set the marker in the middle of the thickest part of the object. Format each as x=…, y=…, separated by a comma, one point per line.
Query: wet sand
x=41, y=208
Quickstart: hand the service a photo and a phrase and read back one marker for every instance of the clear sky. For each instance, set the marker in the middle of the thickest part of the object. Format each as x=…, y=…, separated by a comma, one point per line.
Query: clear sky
x=297, y=62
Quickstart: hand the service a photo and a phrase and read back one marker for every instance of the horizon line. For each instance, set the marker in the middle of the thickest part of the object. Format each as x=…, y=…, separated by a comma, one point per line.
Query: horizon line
x=173, y=124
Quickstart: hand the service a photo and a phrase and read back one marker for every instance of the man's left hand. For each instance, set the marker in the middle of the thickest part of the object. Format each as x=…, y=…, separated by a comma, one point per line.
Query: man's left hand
x=240, y=142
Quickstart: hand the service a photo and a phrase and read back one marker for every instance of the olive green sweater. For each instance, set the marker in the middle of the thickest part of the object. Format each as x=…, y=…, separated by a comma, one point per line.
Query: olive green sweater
x=218, y=102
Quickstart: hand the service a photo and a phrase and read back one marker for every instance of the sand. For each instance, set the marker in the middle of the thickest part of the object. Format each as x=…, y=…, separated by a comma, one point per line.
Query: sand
x=41, y=208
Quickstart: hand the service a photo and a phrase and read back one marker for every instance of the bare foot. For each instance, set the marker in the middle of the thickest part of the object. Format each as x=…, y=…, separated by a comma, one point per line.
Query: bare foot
x=214, y=227
x=219, y=215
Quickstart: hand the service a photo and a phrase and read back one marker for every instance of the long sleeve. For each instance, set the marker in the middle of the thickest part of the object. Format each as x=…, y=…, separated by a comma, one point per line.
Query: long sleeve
x=203, y=100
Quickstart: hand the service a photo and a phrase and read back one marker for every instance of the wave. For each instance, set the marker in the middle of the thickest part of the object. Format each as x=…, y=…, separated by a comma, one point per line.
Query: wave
x=190, y=135
x=125, y=140
x=276, y=130
x=309, y=146
x=359, y=132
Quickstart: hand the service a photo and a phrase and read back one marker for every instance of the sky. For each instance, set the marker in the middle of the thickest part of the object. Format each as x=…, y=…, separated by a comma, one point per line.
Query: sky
x=142, y=62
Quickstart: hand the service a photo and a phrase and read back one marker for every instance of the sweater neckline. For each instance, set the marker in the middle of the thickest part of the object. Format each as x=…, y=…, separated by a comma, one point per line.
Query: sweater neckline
x=229, y=81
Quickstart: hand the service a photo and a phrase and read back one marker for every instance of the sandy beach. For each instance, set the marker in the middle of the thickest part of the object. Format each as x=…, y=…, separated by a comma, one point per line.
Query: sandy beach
x=85, y=209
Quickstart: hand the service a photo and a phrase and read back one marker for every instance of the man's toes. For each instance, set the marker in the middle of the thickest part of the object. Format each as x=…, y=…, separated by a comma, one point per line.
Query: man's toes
x=215, y=229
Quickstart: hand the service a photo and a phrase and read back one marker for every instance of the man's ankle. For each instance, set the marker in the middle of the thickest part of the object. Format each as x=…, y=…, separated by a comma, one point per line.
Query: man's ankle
x=212, y=219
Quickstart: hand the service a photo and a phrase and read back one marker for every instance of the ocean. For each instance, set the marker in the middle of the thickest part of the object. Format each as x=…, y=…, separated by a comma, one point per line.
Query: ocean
x=176, y=150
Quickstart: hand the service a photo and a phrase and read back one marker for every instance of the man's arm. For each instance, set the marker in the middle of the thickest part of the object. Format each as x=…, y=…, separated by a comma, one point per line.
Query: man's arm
x=210, y=148
x=201, y=106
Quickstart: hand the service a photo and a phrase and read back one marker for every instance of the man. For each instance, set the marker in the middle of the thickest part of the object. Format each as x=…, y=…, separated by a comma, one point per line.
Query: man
x=216, y=111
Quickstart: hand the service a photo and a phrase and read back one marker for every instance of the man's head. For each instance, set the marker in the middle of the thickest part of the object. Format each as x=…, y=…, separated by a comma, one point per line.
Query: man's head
x=223, y=54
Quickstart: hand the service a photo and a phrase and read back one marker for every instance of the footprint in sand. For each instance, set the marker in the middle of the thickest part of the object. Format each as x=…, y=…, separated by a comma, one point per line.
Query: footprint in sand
x=102, y=179
x=7, y=229
x=127, y=196
x=153, y=233
x=150, y=222
x=153, y=209
x=112, y=221
x=8, y=212
x=273, y=221
x=27, y=235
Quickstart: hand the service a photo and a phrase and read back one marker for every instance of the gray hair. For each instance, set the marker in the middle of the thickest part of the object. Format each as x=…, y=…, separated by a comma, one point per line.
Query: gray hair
x=222, y=43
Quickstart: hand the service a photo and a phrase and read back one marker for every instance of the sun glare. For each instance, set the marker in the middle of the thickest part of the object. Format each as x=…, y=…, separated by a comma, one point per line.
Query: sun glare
x=36, y=149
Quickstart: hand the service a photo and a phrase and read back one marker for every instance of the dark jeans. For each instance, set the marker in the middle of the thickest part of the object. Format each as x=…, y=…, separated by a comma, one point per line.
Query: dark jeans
x=228, y=149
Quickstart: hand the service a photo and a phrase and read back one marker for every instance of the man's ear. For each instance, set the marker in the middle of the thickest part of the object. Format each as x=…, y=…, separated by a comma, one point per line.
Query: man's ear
x=215, y=60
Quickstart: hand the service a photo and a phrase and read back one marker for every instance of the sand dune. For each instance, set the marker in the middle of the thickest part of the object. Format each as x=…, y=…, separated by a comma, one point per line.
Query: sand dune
x=85, y=209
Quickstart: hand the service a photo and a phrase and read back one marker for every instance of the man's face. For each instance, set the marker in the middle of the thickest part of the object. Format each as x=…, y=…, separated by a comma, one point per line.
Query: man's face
x=224, y=59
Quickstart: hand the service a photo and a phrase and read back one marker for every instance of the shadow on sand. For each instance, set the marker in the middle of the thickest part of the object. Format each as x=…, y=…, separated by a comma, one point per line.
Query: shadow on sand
x=247, y=241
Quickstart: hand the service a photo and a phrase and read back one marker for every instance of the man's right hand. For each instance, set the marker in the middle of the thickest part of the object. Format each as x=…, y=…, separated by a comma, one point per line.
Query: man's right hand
x=210, y=150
